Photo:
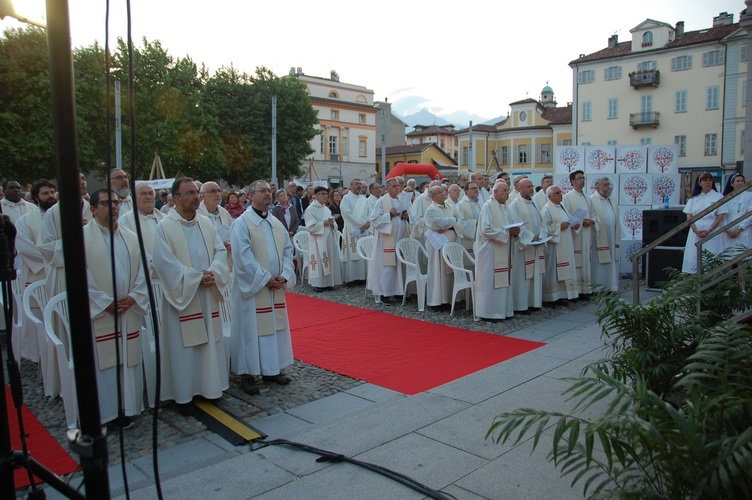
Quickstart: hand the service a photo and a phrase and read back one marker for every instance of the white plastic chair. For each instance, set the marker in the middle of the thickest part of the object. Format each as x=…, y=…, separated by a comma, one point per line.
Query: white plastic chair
x=364, y=248
x=149, y=347
x=300, y=241
x=409, y=251
x=17, y=313
x=34, y=301
x=454, y=255
x=58, y=306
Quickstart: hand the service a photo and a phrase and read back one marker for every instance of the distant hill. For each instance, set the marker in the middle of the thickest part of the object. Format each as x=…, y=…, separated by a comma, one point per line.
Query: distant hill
x=460, y=119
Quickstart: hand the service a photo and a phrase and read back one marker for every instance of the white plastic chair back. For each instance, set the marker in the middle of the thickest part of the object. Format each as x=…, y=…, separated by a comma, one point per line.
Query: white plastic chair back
x=34, y=302
x=226, y=315
x=57, y=308
x=409, y=251
x=300, y=242
x=16, y=287
x=455, y=256
x=364, y=247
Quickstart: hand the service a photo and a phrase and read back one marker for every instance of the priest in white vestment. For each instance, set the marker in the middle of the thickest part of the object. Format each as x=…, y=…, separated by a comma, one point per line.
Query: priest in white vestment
x=606, y=237
x=441, y=219
x=454, y=195
x=385, y=277
x=418, y=212
x=148, y=217
x=469, y=209
x=28, y=239
x=374, y=193
x=574, y=200
x=540, y=198
x=324, y=262
x=560, y=281
x=123, y=302
x=191, y=262
x=493, y=295
x=13, y=205
x=119, y=184
x=356, y=212
x=528, y=260
x=210, y=206
x=261, y=343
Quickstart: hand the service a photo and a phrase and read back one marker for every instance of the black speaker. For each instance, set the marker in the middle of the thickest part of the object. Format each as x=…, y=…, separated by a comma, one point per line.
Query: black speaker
x=657, y=261
x=656, y=223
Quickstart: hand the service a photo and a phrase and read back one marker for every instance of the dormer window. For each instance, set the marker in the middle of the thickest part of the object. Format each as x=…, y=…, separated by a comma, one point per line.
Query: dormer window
x=333, y=95
x=647, y=39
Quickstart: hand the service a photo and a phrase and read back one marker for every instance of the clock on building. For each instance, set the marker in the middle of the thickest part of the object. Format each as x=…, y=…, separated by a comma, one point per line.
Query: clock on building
x=523, y=116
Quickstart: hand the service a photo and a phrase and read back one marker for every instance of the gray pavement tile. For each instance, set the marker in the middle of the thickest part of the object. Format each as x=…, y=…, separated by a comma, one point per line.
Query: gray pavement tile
x=365, y=430
x=496, y=379
x=423, y=459
x=461, y=493
x=541, y=332
x=183, y=457
x=239, y=478
x=281, y=425
x=220, y=442
x=296, y=461
x=579, y=316
x=542, y=393
x=330, y=407
x=520, y=474
x=374, y=393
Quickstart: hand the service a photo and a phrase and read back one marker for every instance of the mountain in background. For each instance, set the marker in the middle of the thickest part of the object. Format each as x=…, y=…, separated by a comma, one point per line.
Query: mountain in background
x=460, y=119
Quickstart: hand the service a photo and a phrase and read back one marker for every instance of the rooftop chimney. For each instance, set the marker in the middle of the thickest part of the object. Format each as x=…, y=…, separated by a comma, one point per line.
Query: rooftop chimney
x=679, y=29
x=613, y=41
x=292, y=71
x=723, y=19
x=300, y=71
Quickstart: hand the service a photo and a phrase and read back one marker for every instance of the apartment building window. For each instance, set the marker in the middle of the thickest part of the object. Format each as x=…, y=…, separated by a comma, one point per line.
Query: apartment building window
x=681, y=141
x=587, y=111
x=565, y=142
x=646, y=66
x=586, y=76
x=321, y=145
x=345, y=146
x=586, y=143
x=681, y=101
x=647, y=39
x=362, y=147
x=741, y=143
x=613, y=143
x=334, y=114
x=612, y=73
x=504, y=155
x=711, y=144
x=465, y=155
x=333, y=149
x=646, y=141
x=522, y=153
x=681, y=63
x=712, y=58
x=362, y=118
x=544, y=153
x=711, y=101
x=743, y=53
x=613, y=108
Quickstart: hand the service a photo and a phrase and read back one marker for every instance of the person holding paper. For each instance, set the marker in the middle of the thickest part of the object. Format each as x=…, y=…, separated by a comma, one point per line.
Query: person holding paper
x=389, y=226
x=560, y=280
x=493, y=296
x=528, y=260
x=324, y=264
x=355, y=212
x=575, y=201
x=605, y=245
x=444, y=220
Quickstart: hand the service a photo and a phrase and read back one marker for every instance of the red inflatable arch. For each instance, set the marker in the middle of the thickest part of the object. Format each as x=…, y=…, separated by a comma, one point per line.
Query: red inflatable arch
x=414, y=169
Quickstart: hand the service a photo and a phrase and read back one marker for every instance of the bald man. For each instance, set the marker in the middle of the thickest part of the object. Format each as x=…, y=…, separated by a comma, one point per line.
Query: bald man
x=119, y=184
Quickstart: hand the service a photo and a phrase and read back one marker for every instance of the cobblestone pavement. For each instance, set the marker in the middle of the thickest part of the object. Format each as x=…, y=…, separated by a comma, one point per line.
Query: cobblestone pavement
x=309, y=383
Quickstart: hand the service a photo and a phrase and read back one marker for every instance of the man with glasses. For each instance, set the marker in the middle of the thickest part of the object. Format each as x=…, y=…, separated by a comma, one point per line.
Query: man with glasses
x=191, y=261
x=119, y=184
x=122, y=302
x=324, y=263
x=442, y=219
x=560, y=280
x=261, y=343
x=528, y=259
x=211, y=207
x=605, y=246
x=581, y=237
x=469, y=210
x=148, y=217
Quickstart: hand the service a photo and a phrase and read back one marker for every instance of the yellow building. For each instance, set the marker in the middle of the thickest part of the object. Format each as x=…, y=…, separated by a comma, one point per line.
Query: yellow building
x=522, y=143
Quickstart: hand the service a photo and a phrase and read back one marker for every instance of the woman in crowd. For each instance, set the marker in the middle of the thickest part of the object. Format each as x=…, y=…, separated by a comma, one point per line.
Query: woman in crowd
x=285, y=212
x=233, y=205
x=704, y=194
x=739, y=236
x=335, y=198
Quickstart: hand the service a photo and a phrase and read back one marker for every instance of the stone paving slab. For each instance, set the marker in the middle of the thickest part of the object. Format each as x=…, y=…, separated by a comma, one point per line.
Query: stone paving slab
x=329, y=408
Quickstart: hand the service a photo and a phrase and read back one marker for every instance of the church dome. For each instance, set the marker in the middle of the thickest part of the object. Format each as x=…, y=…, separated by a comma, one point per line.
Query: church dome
x=547, y=90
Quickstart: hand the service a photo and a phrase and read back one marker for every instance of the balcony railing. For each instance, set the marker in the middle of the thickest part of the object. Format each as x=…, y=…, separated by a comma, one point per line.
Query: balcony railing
x=651, y=77
x=650, y=119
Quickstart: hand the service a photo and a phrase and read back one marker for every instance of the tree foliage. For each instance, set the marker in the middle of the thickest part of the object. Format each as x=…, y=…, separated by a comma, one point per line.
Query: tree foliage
x=205, y=126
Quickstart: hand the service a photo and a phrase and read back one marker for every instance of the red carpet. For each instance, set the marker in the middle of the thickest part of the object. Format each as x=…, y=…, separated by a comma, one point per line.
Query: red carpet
x=402, y=354
x=42, y=446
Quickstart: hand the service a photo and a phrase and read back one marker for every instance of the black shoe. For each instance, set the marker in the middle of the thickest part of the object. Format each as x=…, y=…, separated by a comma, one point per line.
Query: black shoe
x=249, y=387
x=122, y=422
x=318, y=290
x=280, y=379
x=186, y=409
x=330, y=288
x=388, y=301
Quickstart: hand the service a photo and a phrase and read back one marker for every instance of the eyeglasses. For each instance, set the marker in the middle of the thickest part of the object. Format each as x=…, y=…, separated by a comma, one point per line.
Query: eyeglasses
x=119, y=177
x=212, y=191
x=579, y=178
x=263, y=190
x=112, y=203
x=187, y=193
x=555, y=192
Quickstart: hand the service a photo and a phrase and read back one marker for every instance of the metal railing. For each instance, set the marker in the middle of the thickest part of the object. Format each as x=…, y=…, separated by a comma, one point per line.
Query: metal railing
x=645, y=119
x=730, y=268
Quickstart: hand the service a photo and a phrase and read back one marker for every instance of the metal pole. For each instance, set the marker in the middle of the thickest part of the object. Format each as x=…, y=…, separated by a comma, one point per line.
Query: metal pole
x=92, y=444
x=746, y=23
x=118, y=128
x=470, y=164
x=274, y=140
x=383, y=146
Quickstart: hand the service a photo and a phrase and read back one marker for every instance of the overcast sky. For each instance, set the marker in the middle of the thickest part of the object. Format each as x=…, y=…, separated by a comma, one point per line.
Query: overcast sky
x=476, y=56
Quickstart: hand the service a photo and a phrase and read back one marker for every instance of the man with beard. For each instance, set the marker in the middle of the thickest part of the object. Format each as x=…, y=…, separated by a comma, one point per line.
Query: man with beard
x=191, y=262
x=528, y=260
x=574, y=200
x=605, y=247
x=324, y=264
x=119, y=184
x=355, y=212
x=13, y=205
